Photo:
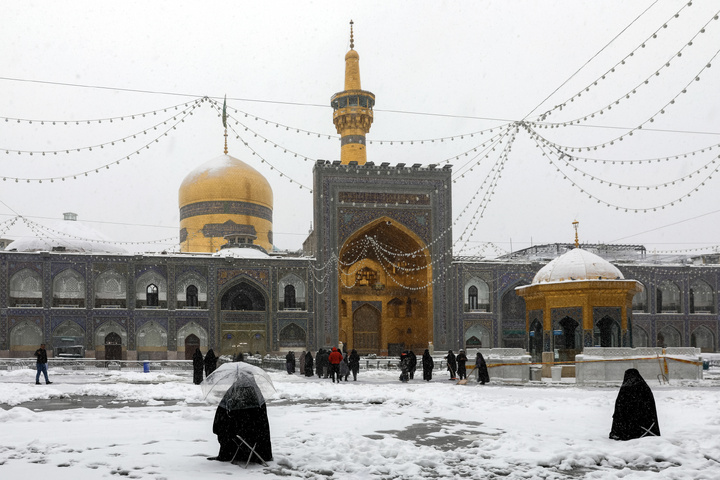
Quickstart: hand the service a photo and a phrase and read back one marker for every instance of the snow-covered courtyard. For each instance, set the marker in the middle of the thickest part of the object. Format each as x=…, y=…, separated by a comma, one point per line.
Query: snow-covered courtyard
x=156, y=426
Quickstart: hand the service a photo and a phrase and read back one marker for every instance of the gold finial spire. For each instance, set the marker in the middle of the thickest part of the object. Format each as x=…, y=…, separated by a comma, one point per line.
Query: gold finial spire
x=352, y=42
x=577, y=242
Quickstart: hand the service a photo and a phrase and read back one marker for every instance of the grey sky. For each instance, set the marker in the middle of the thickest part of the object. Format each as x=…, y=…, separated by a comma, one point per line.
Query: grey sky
x=466, y=66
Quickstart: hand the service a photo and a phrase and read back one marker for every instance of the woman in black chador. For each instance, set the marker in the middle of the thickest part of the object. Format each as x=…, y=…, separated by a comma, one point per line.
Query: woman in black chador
x=210, y=362
x=428, y=365
x=354, y=363
x=461, y=360
x=308, y=364
x=482, y=370
x=242, y=413
x=451, y=364
x=197, y=367
x=635, y=415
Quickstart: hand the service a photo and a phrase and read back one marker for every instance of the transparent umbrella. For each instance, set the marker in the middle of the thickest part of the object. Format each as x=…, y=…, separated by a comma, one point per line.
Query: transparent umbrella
x=227, y=374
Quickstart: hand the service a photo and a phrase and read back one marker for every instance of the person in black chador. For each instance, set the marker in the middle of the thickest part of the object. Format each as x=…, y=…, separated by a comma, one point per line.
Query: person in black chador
x=319, y=363
x=461, y=360
x=482, y=370
x=412, y=364
x=635, y=415
x=242, y=413
x=290, y=362
x=404, y=362
x=428, y=365
x=451, y=364
x=308, y=364
x=354, y=363
x=210, y=362
x=197, y=367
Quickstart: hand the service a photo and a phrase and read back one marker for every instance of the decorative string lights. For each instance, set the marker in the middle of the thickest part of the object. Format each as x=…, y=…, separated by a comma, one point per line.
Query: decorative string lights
x=178, y=118
x=613, y=69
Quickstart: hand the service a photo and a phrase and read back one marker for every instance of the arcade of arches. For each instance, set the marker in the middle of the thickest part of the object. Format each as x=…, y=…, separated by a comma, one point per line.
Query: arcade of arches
x=378, y=314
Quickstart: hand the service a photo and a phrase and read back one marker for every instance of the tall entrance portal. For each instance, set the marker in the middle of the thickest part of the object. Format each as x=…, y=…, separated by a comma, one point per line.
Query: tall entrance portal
x=385, y=285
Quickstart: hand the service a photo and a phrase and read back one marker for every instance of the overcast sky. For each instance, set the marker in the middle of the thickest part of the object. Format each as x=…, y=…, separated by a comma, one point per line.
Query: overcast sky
x=438, y=69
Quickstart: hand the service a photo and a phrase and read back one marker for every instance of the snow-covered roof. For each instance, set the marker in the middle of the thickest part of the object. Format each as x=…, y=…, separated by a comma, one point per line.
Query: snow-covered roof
x=241, y=252
x=67, y=236
x=577, y=264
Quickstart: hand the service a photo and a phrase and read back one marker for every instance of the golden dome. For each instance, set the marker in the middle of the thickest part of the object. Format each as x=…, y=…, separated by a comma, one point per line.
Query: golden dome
x=225, y=178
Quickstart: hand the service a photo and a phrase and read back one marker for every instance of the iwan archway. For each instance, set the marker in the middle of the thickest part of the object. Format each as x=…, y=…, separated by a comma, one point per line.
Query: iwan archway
x=385, y=287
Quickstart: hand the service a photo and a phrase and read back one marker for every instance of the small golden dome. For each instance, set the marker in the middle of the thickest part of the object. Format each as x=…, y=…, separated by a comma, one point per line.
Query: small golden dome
x=225, y=178
x=352, y=54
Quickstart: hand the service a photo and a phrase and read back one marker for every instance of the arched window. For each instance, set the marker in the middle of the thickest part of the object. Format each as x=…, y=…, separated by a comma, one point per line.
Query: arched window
x=473, y=298
x=640, y=337
x=191, y=296
x=110, y=290
x=26, y=289
x=668, y=298
x=669, y=337
x=394, y=307
x=151, y=295
x=69, y=289
x=243, y=296
x=702, y=298
x=607, y=333
x=289, y=301
x=703, y=339
x=639, y=302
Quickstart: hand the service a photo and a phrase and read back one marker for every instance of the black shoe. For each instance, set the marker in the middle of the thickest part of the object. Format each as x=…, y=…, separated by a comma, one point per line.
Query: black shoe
x=48, y=383
x=37, y=383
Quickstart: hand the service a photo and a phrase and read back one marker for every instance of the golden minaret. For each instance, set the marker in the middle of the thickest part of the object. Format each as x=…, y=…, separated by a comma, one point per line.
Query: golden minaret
x=352, y=110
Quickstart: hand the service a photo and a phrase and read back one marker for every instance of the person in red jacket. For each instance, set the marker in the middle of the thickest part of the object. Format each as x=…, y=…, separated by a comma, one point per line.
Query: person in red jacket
x=335, y=358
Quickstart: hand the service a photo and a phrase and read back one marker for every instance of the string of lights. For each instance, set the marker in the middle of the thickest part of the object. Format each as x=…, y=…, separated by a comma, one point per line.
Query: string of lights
x=627, y=208
x=110, y=143
x=459, y=173
x=262, y=159
x=451, y=138
x=631, y=131
x=615, y=67
x=564, y=159
x=74, y=176
x=132, y=116
x=637, y=87
x=75, y=237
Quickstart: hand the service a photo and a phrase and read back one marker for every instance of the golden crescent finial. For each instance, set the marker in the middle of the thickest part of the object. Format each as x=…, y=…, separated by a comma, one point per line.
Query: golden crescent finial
x=577, y=241
x=352, y=42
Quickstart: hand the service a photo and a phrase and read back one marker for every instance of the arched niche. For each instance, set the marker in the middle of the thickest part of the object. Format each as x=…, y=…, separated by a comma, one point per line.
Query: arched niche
x=243, y=296
x=669, y=336
x=111, y=331
x=512, y=310
x=151, y=342
x=639, y=301
x=477, y=336
x=291, y=293
x=25, y=338
x=381, y=262
x=191, y=291
x=567, y=338
x=292, y=335
x=668, y=298
x=26, y=289
x=702, y=298
x=110, y=290
x=191, y=336
x=640, y=337
x=68, y=340
x=366, y=329
x=607, y=333
x=703, y=338
x=477, y=295
x=69, y=289
x=145, y=293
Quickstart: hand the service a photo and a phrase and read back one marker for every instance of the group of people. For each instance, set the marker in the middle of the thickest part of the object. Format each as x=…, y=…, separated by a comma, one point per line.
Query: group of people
x=200, y=364
x=457, y=366
x=330, y=364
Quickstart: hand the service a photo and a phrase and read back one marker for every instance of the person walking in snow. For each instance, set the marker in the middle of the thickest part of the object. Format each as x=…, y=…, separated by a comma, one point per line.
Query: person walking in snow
x=344, y=368
x=412, y=365
x=308, y=364
x=461, y=360
x=451, y=364
x=41, y=367
x=334, y=359
x=481, y=367
x=290, y=362
x=197, y=360
x=635, y=415
x=404, y=364
x=428, y=364
x=210, y=362
x=354, y=363
x=301, y=363
x=319, y=363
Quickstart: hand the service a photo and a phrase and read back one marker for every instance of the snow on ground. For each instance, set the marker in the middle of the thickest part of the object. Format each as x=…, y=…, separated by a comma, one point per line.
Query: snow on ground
x=156, y=426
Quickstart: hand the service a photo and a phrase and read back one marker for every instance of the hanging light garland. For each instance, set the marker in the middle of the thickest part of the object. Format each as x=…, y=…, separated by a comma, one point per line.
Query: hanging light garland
x=133, y=116
x=38, y=227
x=99, y=145
x=613, y=69
x=626, y=208
x=631, y=131
x=182, y=116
